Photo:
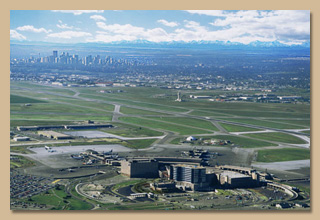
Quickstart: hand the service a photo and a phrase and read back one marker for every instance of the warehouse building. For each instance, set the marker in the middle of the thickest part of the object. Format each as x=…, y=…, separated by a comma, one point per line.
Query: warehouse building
x=21, y=139
x=35, y=128
x=231, y=179
x=88, y=126
x=54, y=135
x=140, y=168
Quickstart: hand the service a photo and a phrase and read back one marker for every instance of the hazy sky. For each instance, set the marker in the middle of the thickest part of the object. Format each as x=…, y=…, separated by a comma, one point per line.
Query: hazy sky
x=74, y=26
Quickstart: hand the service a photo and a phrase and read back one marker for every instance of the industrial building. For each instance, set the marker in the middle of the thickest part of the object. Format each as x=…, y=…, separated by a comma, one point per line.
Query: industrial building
x=88, y=126
x=21, y=139
x=54, y=135
x=48, y=127
x=140, y=168
x=231, y=179
x=35, y=128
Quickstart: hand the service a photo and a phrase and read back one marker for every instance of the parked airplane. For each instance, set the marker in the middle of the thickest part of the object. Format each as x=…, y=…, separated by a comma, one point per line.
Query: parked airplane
x=108, y=152
x=76, y=157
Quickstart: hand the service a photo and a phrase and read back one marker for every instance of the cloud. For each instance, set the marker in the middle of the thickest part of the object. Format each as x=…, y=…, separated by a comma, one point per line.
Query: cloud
x=61, y=25
x=79, y=12
x=284, y=25
x=167, y=23
x=69, y=34
x=98, y=18
x=130, y=32
x=126, y=29
x=15, y=35
x=33, y=29
x=217, y=13
x=106, y=37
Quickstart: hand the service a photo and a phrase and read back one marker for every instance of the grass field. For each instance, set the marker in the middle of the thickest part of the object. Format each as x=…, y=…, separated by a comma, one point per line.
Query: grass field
x=255, y=113
x=176, y=141
x=20, y=162
x=59, y=199
x=188, y=122
x=15, y=123
x=21, y=99
x=139, y=206
x=237, y=128
x=55, y=108
x=305, y=122
x=20, y=149
x=83, y=104
x=306, y=132
x=37, y=86
x=162, y=125
x=60, y=117
x=206, y=113
x=135, y=111
x=243, y=142
x=286, y=154
x=126, y=130
x=126, y=101
x=278, y=137
x=139, y=144
x=264, y=123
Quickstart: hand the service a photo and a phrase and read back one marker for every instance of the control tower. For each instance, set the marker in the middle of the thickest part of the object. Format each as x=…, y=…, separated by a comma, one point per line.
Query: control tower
x=179, y=97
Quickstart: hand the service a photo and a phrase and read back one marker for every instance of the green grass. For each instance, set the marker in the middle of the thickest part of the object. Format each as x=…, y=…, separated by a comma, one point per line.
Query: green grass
x=176, y=141
x=60, y=117
x=243, y=142
x=124, y=184
x=36, y=86
x=15, y=123
x=206, y=112
x=126, y=130
x=237, y=128
x=56, y=199
x=20, y=149
x=306, y=132
x=134, y=144
x=21, y=99
x=255, y=113
x=304, y=122
x=143, y=103
x=135, y=111
x=278, y=137
x=139, y=144
x=22, y=162
x=55, y=108
x=139, y=206
x=285, y=154
x=164, y=126
x=188, y=122
x=269, y=124
x=83, y=103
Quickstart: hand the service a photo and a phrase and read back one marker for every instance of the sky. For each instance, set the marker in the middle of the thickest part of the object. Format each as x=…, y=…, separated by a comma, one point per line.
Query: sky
x=82, y=26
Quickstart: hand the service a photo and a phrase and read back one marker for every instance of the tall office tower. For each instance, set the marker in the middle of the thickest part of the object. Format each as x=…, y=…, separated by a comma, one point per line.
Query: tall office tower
x=88, y=60
x=55, y=53
x=75, y=58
